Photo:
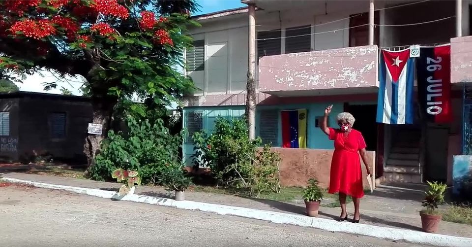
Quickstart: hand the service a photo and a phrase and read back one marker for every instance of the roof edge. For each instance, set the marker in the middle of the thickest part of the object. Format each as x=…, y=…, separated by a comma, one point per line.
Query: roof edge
x=223, y=13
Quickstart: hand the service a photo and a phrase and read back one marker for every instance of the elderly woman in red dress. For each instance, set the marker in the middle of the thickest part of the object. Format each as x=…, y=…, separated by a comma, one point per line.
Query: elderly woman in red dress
x=346, y=173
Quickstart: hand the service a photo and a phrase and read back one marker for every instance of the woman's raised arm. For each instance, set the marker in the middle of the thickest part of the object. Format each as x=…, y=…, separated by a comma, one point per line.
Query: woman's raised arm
x=324, y=124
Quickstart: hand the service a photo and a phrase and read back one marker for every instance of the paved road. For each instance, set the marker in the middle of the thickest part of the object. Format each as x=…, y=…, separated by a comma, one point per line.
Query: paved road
x=39, y=217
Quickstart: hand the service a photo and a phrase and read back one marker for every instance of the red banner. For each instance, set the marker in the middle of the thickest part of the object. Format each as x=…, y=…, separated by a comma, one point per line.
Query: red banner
x=434, y=83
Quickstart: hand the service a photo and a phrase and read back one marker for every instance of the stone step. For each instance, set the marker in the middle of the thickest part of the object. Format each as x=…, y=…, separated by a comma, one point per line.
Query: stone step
x=402, y=169
x=397, y=162
x=404, y=156
x=406, y=145
x=393, y=177
x=401, y=150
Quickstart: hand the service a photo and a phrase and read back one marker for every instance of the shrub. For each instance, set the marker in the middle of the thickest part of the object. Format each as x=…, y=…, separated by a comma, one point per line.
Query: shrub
x=434, y=197
x=312, y=192
x=234, y=159
x=174, y=178
x=146, y=148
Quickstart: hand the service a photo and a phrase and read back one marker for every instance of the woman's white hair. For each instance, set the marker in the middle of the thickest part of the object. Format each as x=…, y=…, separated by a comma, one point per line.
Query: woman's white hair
x=346, y=116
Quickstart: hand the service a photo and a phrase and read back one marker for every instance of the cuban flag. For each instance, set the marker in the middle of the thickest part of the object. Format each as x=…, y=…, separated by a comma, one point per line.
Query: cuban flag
x=396, y=79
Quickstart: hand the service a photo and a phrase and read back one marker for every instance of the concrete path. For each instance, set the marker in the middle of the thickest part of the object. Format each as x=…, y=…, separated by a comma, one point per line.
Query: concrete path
x=33, y=217
x=389, y=207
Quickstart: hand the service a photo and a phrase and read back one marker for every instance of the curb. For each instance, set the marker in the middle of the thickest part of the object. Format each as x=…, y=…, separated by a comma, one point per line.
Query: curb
x=394, y=234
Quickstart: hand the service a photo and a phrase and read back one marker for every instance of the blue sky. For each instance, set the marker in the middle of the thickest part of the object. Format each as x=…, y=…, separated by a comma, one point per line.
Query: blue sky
x=208, y=6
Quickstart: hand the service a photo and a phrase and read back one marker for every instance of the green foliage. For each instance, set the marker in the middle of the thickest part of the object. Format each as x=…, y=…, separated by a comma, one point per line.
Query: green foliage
x=174, y=178
x=146, y=148
x=234, y=159
x=65, y=91
x=312, y=192
x=7, y=86
x=434, y=196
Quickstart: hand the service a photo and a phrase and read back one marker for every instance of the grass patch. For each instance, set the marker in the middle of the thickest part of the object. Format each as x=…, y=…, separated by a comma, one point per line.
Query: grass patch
x=458, y=214
x=58, y=171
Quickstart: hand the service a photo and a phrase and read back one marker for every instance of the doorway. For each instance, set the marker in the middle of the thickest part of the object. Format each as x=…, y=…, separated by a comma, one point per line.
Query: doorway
x=436, y=149
x=365, y=116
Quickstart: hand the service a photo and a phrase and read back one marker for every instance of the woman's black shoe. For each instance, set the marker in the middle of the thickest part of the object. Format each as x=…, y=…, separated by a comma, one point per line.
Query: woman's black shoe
x=356, y=221
x=342, y=219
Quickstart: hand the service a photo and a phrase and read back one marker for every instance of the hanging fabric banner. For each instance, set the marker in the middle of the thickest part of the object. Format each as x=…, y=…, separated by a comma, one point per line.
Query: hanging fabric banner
x=396, y=79
x=294, y=128
x=434, y=83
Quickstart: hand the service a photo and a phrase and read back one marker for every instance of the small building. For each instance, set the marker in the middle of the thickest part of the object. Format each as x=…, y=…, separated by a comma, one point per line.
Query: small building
x=38, y=124
x=311, y=54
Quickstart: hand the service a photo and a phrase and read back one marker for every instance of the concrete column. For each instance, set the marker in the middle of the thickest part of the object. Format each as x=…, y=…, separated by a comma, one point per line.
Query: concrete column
x=371, y=22
x=251, y=85
x=458, y=18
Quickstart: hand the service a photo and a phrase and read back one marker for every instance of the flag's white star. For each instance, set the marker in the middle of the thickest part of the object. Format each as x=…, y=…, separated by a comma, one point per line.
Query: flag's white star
x=397, y=62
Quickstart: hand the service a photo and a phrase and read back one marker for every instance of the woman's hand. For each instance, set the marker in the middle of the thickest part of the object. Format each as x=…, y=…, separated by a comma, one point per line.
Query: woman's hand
x=363, y=154
x=324, y=123
x=328, y=110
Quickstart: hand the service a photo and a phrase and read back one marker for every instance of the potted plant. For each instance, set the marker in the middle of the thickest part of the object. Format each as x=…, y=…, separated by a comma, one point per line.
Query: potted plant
x=129, y=178
x=174, y=178
x=430, y=217
x=312, y=195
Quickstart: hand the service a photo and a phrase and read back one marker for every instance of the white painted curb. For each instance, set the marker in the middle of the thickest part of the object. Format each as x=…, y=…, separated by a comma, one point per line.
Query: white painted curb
x=275, y=217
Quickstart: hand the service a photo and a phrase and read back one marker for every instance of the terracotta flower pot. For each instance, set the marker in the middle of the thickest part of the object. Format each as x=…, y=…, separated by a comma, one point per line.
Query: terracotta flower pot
x=429, y=222
x=179, y=196
x=312, y=208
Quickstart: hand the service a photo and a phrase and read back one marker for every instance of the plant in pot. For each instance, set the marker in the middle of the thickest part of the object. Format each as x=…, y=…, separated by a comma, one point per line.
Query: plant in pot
x=174, y=178
x=312, y=195
x=430, y=217
x=129, y=178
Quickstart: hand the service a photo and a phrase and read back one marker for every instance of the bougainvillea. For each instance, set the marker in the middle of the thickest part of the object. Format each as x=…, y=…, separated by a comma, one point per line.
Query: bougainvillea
x=121, y=48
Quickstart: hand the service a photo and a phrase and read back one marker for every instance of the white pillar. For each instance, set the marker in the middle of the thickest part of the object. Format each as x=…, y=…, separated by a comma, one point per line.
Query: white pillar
x=371, y=22
x=251, y=84
x=458, y=18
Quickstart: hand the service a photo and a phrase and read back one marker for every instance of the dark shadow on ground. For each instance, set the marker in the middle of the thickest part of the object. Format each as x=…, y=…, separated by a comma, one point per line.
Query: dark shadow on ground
x=399, y=194
x=157, y=194
x=110, y=189
x=291, y=208
x=282, y=206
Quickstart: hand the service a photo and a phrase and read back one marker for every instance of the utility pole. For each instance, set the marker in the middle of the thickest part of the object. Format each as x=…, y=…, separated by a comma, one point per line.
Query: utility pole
x=458, y=18
x=251, y=85
x=371, y=22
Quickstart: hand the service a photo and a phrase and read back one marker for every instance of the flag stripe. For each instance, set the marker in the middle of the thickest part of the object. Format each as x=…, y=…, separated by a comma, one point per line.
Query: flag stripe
x=302, y=128
x=410, y=77
x=285, y=129
x=293, y=129
x=381, y=95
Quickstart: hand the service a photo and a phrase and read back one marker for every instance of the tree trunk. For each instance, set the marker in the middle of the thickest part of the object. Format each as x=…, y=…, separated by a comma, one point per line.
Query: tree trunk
x=102, y=113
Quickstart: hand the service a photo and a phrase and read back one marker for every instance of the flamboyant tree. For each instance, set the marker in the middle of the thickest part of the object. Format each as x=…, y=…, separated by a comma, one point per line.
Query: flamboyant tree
x=121, y=47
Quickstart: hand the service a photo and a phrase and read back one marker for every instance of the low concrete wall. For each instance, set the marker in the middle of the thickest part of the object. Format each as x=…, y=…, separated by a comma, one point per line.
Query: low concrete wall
x=299, y=165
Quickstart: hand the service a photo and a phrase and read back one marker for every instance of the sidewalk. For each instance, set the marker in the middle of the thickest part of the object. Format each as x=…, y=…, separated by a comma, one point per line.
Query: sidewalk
x=386, y=207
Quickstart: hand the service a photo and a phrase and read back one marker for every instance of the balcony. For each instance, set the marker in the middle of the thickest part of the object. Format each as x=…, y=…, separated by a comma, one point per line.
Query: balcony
x=312, y=73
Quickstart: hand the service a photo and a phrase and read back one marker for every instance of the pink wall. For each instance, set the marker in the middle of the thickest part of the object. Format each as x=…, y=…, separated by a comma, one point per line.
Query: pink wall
x=337, y=68
x=461, y=59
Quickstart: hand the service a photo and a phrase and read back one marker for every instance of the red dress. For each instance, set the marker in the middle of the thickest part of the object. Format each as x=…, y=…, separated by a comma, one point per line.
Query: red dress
x=346, y=173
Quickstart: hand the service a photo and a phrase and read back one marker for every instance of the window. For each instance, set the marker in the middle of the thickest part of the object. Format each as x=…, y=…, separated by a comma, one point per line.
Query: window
x=298, y=39
x=268, y=43
x=195, y=56
x=58, y=125
x=4, y=123
x=359, y=30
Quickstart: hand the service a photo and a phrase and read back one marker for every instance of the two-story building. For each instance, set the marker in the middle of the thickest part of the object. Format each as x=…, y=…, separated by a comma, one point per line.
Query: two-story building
x=311, y=54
